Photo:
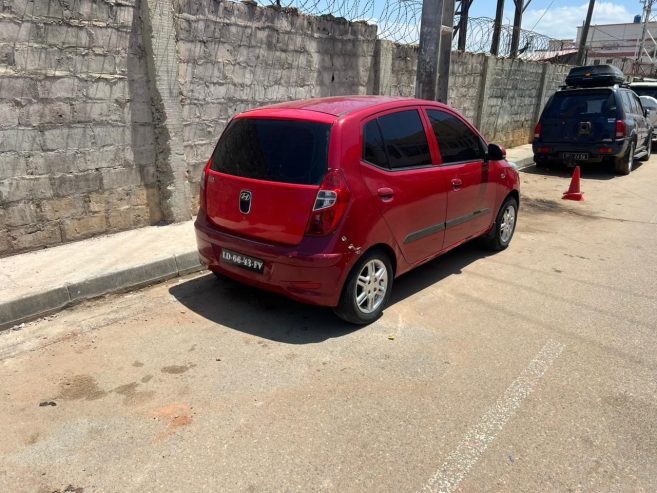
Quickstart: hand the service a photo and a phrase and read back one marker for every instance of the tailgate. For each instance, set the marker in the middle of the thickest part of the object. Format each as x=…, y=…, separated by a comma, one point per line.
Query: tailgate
x=265, y=175
x=580, y=117
x=277, y=212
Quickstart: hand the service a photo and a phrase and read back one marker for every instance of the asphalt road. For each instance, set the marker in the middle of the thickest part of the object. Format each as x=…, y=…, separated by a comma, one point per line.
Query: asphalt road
x=533, y=369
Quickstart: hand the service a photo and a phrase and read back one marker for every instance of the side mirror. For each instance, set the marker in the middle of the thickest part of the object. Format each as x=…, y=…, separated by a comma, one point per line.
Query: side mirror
x=496, y=152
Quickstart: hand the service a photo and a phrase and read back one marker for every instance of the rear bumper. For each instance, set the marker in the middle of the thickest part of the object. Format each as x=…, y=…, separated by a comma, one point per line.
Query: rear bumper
x=551, y=152
x=309, y=272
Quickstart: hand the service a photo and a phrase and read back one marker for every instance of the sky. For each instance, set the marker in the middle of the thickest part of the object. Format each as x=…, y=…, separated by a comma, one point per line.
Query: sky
x=560, y=18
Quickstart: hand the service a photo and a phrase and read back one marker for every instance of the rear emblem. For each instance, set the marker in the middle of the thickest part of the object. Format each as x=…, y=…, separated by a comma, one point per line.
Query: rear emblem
x=245, y=201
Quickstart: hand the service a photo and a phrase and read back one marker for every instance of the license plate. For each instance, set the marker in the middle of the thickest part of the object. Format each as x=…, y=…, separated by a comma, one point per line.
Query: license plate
x=577, y=156
x=244, y=261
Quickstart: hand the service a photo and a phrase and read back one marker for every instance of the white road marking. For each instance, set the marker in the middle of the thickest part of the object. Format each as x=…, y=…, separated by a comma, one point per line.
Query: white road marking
x=475, y=442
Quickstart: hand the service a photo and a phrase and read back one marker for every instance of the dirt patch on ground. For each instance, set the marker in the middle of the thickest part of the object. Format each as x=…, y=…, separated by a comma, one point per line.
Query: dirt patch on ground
x=175, y=415
x=541, y=205
x=80, y=387
x=131, y=395
x=177, y=369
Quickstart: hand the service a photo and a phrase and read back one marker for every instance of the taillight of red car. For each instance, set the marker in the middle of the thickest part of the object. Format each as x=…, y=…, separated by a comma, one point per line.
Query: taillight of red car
x=204, y=179
x=537, y=130
x=330, y=204
x=620, y=129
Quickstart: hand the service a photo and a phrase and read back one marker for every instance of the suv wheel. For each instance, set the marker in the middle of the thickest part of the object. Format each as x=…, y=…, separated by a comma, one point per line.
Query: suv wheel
x=624, y=165
x=367, y=289
x=505, y=225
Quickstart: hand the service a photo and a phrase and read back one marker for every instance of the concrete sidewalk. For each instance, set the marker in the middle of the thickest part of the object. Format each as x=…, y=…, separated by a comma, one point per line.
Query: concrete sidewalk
x=39, y=283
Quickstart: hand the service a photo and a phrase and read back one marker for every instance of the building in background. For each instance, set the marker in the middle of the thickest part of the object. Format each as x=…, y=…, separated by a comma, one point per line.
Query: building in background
x=618, y=44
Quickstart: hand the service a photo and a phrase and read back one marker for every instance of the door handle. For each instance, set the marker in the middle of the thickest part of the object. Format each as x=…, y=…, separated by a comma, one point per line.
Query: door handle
x=386, y=194
x=456, y=183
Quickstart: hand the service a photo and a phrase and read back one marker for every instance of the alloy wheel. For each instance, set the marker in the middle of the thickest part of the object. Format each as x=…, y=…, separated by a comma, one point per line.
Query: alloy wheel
x=508, y=223
x=371, y=286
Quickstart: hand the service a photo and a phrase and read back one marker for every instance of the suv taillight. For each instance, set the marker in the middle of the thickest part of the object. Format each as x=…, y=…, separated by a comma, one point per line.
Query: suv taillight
x=537, y=131
x=330, y=205
x=620, y=129
x=204, y=179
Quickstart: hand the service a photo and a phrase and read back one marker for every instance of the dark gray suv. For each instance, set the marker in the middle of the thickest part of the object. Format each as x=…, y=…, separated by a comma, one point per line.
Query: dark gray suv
x=593, y=125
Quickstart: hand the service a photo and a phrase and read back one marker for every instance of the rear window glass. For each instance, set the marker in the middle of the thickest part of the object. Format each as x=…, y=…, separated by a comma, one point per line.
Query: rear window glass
x=575, y=105
x=645, y=91
x=284, y=151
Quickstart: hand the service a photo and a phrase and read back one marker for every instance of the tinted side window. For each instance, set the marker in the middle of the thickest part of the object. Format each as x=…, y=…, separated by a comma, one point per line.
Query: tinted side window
x=637, y=105
x=373, y=147
x=405, y=140
x=455, y=139
x=627, y=102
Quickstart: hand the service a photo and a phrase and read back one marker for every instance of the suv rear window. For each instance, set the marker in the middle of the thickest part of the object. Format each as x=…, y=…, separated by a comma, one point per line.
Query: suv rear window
x=581, y=104
x=286, y=151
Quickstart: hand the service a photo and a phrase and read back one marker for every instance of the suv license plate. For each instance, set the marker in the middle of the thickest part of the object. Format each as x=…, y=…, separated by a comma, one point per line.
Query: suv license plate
x=577, y=156
x=243, y=261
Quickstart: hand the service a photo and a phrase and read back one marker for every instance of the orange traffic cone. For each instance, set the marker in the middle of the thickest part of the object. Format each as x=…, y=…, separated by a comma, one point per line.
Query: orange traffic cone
x=573, y=192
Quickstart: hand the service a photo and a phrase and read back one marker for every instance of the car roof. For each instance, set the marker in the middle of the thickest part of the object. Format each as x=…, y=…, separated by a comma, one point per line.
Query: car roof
x=340, y=105
x=644, y=84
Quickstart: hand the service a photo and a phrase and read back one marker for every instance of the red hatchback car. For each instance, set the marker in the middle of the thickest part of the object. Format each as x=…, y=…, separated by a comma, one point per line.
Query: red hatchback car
x=328, y=200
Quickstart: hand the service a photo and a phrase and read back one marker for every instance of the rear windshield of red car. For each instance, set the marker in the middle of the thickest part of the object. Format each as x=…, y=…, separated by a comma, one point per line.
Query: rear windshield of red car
x=287, y=151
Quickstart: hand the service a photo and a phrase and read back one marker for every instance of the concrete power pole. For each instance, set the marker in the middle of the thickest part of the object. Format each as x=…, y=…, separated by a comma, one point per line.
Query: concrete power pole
x=446, y=36
x=647, y=7
x=432, y=81
x=581, y=52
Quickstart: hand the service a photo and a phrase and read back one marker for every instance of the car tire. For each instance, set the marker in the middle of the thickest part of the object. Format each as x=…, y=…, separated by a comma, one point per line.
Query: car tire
x=648, y=148
x=367, y=289
x=623, y=165
x=499, y=237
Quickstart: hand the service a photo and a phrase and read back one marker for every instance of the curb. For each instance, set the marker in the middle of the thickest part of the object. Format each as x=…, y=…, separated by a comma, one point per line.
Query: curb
x=523, y=163
x=37, y=305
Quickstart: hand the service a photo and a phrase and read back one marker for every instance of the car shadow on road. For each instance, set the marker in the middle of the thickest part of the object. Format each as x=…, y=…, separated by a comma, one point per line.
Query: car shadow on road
x=277, y=318
x=588, y=171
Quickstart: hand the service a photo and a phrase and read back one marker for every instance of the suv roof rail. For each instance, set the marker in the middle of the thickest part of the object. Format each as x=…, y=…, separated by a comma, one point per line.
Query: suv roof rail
x=615, y=86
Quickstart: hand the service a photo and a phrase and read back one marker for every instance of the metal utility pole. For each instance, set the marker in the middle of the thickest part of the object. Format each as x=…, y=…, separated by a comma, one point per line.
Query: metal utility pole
x=464, y=13
x=521, y=6
x=435, y=49
x=647, y=7
x=497, y=28
x=581, y=51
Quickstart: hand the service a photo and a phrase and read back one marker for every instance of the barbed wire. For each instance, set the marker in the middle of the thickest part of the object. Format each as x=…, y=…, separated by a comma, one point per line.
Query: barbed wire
x=399, y=21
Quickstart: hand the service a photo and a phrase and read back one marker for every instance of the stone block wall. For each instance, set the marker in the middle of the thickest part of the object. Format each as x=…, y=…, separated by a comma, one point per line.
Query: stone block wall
x=501, y=96
x=465, y=83
x=234, y=56
x=555, y=76
x=76, y=136
x=110, y=108
x=514, y=88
